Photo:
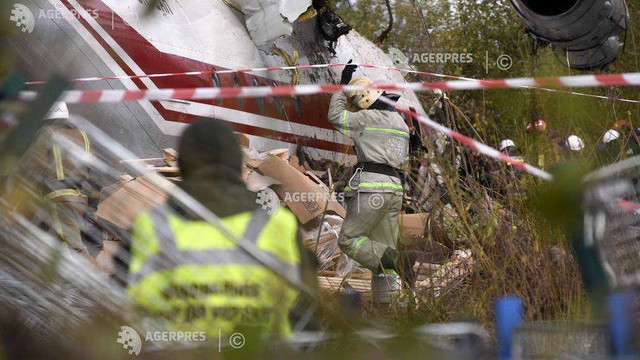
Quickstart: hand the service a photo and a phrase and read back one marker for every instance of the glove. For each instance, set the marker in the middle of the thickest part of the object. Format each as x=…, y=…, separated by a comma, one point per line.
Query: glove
x=347, y=73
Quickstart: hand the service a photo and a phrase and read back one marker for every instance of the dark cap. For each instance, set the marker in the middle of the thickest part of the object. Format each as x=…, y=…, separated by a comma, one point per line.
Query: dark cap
x=208, y=144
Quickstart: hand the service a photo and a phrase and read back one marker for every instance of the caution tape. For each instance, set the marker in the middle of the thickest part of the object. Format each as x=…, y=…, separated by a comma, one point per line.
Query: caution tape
x=107, y=96
x=264, y=69
x=627, y=205
x=322, y=66
x=473, y=144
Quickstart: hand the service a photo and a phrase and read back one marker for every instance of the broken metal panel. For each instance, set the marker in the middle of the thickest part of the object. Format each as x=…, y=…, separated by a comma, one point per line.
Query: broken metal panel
x=264, y=21
x=268, y=20
x=353, y=46
x=292, y=9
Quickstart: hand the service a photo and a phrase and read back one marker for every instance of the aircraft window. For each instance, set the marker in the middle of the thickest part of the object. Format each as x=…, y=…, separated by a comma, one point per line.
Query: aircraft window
x=279, y=102
x=259, y=100
x=216, y=83
x=237, y=83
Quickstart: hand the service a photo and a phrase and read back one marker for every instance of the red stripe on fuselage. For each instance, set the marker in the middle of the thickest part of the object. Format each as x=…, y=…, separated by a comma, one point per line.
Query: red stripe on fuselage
x=152, y=61
x=320, y=107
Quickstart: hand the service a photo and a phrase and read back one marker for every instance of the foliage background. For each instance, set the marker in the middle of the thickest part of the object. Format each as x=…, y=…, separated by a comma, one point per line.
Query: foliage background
x=492, y=27
x=512, y=243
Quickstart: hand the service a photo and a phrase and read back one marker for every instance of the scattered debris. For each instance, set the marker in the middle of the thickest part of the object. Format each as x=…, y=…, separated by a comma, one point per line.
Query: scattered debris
x=133, y=197
x=306, y=198
x=170, y=156
x=331, y=27
x=449, y=275
x=307, y=189
x=413, y=227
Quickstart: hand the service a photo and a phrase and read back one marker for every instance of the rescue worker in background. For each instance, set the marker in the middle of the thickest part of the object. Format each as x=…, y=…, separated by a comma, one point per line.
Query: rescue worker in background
x=508, y=147
x=374, y=192
x=610, y=147
x=572, y=145
x=61, y=178
x=186, y=271
x=538, y=126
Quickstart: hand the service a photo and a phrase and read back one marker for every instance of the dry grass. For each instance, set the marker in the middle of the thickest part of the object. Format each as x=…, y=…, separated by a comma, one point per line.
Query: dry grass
x=514, y=249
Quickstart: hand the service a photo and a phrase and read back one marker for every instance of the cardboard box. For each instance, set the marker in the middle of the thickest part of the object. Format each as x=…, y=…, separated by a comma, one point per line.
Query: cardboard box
x=170, y=157
x=256, y=182
x=281, y=153
x=132, y=198
x=243, y=140
x=107, y=254
x=413, y=227
x=304, y=197
x=253, y=158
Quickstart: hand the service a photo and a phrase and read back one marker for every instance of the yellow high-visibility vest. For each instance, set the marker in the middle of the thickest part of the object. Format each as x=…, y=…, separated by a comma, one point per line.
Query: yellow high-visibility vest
x=190, y=274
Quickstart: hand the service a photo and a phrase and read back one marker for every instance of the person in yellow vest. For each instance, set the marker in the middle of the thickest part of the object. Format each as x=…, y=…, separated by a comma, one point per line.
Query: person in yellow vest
x=186, y=271
x=59, y=179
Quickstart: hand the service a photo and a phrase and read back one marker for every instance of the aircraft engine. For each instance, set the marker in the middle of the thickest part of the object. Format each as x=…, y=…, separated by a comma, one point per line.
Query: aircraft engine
x=585, y=34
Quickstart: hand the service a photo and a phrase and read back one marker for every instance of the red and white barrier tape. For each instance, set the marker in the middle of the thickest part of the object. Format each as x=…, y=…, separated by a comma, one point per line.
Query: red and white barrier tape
x=321, y=66
x=628, y=205
x=267, y=69
x=106, y=96
x=473, y=144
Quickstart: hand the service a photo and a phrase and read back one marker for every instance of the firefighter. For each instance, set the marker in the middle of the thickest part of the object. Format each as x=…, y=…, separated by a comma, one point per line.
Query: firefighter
x=375, y=190
x=610, y=148
x=538, y=126
x=572, y=145
x=508, y=147
x=61, y=178
x=186, y=271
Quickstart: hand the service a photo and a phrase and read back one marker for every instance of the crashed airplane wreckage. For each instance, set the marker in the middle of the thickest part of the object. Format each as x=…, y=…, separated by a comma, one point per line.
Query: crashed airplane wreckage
x=115, y=38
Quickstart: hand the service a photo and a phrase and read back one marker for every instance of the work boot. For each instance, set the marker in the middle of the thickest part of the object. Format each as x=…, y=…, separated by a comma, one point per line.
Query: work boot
x=385, y=287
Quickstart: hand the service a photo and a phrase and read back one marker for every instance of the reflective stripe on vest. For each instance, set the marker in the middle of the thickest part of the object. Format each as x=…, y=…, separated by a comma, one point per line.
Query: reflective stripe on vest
x=169, y=256
x=64, y=192
x=57, y=155
x=345, y=113
x=389, y=131
x=57, y=158
x=87, y=143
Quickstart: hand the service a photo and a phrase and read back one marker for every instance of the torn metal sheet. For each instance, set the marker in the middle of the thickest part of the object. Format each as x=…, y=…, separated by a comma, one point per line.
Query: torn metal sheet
x=264, y=21
x=292, y=9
